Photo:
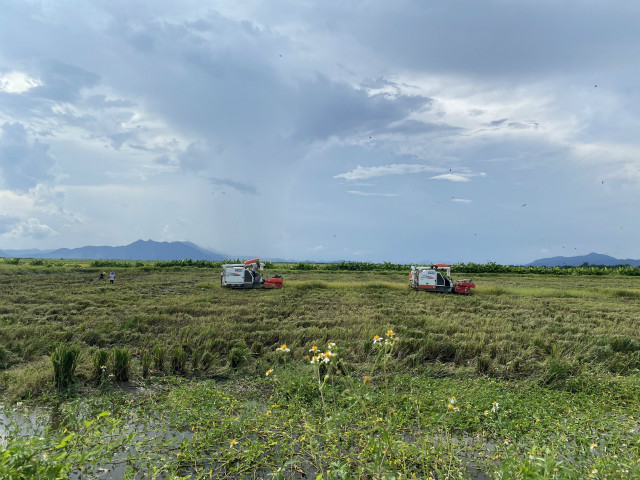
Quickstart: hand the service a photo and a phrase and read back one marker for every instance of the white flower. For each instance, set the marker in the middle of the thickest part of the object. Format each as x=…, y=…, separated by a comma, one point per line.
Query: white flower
x=496, y=407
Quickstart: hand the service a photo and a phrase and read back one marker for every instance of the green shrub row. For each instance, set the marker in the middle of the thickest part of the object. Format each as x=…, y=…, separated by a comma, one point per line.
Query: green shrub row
x=490, y=267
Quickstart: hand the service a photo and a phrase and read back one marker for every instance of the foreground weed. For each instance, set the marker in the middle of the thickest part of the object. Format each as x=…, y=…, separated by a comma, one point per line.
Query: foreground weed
x=178, y=361
x=321, y=361
x=146, y=359
x=238, y=356
x=121, y=364
x=65, y=360
x=100, y=366
x=159, y=357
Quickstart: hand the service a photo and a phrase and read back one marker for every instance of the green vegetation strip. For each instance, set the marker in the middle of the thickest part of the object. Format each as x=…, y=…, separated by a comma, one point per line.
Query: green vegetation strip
x=408, y=425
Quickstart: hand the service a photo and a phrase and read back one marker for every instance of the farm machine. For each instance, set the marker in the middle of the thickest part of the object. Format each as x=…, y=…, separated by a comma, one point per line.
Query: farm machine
x=247, y=275
x=437, y=278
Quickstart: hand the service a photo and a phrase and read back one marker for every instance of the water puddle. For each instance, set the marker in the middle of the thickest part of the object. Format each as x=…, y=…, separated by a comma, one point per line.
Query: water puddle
x=20, y=422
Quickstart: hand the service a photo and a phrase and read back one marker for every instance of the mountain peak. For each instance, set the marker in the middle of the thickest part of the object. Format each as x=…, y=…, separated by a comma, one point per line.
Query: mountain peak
x=592, y=258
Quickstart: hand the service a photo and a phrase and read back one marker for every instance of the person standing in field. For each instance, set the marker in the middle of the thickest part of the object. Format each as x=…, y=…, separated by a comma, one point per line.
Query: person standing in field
x=112, y=277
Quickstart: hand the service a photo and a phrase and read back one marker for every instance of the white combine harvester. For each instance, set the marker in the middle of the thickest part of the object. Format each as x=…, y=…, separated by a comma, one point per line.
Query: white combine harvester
x=437, y=278
x=247, y=275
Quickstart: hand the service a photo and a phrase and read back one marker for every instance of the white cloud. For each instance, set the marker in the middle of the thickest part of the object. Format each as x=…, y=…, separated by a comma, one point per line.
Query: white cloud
x=461, y=200
x=457, y=177
x=32, y=228
x=453, y=177
x=17, y=82
x=362, y=173
x=371, y=194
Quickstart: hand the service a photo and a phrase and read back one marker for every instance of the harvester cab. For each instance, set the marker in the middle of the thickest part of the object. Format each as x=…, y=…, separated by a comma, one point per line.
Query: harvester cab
x=247, y=275
x=437, y=278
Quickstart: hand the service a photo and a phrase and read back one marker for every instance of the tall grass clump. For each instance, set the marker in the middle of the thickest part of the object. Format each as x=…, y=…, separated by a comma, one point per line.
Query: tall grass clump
x=178, y=360
x=483, y=365
x=196, y=357
x=100, y=364
x=121, y=364
x=147, y=360
x=238, y=356
x=65, y=360
x=207, y=361
x=4, y=357
x=159, y=357
x=624, y=345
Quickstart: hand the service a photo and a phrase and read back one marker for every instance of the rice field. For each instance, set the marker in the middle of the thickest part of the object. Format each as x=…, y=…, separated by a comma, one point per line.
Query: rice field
x=532, y=376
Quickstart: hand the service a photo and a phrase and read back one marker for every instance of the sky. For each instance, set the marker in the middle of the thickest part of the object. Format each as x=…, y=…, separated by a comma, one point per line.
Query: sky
x=412, y=131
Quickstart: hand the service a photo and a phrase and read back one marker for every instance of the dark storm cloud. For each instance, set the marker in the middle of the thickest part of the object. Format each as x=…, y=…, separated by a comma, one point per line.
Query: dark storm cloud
x=222, y=80
x=492, y=37
x=326, y=108
x=229, y=81
x=212, y=77
x=23, y=163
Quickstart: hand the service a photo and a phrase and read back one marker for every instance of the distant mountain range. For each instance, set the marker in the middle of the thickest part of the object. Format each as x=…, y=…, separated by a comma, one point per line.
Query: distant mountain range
x=150, y=250
x=139, y=250
x=591, y=259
